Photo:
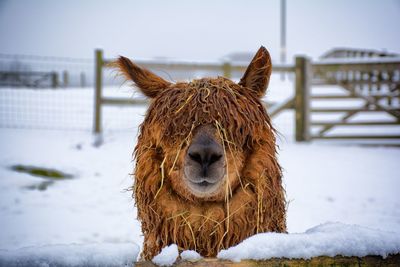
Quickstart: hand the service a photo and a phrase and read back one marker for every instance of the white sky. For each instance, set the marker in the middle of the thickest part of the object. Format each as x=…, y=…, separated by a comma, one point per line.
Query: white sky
x=194, y=30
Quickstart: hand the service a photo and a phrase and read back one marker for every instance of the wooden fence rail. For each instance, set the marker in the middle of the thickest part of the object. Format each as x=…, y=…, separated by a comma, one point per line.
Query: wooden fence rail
x=366, y=261
x=226, y=69
x=374, y=81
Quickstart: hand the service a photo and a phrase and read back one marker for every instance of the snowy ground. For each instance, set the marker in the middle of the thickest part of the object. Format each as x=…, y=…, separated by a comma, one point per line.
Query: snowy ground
x=325, y=181
x=329, y=239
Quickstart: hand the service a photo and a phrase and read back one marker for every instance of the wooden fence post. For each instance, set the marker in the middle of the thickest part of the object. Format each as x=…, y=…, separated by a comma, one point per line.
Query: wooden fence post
x=97, y=90
x=82, y=79
x=54, y=80
x=65, y=79
x=227, y=69
x=302, y=98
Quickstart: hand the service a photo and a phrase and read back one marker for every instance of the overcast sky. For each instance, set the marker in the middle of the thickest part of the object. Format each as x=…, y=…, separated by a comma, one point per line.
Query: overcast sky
x=194, y=30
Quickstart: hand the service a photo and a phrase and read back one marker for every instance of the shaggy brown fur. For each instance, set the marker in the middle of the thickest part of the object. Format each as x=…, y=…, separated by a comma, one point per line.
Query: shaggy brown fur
x=253, y=203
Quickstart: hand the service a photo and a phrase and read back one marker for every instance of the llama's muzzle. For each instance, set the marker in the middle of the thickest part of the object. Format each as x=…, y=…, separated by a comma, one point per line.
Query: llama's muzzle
x=204, y=162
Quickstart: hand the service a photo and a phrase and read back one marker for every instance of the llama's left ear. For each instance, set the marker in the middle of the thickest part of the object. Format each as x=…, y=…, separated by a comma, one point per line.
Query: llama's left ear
x=149, y=83
x=258, y=72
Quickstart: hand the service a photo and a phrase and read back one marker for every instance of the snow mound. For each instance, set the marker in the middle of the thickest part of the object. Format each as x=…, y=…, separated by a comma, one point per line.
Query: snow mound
x=102, y=254
x=329, y=239
x=190, y=255
x=167, y=256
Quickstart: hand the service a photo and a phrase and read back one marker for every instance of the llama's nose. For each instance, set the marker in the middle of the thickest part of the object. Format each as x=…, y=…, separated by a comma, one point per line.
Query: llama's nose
x=205, y=153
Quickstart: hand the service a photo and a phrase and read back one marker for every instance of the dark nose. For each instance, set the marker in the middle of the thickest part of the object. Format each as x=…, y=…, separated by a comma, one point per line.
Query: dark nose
x=205, y=152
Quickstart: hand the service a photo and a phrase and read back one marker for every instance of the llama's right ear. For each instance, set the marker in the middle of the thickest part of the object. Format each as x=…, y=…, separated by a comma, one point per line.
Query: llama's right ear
x=258, y=72
x=149, y=83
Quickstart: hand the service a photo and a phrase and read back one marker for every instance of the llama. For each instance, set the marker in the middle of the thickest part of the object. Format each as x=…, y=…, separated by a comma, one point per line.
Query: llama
x=206, y=174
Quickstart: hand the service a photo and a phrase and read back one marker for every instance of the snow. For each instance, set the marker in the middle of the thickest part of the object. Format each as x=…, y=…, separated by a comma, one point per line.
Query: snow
x=341, y=182
x=106, y=254
x=329, y=239
x=167, y=256
x=92, y=207
x=190, y=255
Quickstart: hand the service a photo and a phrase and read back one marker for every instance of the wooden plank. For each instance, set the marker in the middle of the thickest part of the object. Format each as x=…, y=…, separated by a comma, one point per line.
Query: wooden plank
x=334, y=97
x=356, y=66
x=268, y=104
x=322, y=97
x=364, y=65
x=288, y=104
x=319, y=81
x=391, y=260
x=193, y=66
x=227, y=70
x=333, y=110
x=123, y=101
x=170, y=65
x=356, y=137
x=283, y=68
x=361, y=123
x=54, y=80
x=301, y=100
x=97, y=91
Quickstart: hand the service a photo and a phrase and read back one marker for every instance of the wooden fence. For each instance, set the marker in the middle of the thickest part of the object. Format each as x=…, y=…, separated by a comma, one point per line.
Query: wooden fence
x=366, y=261
x=357, y=53
x=374, y=81
x=226, y=69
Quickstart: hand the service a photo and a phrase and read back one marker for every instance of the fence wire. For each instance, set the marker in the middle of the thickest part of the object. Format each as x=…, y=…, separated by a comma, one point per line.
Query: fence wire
x=46, y=108
x=46, y=92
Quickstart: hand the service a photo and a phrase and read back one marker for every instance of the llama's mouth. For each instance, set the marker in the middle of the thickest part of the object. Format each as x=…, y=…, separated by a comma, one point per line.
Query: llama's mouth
x=203, y=186
x=202, y=183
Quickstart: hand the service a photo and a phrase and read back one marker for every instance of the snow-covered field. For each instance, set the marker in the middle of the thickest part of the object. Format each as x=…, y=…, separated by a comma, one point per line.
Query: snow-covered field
x=325, y=182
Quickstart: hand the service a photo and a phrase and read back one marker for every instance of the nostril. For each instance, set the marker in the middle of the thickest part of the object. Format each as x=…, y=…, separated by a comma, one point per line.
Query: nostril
x=214, y=158
x=207, y=160
x=196, y=157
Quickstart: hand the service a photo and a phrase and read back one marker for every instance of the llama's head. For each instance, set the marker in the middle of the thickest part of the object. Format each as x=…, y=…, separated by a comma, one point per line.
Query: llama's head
x=199, y=134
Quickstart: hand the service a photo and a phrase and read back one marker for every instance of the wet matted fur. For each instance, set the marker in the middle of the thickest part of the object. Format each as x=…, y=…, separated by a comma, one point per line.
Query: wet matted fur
x=253, y=203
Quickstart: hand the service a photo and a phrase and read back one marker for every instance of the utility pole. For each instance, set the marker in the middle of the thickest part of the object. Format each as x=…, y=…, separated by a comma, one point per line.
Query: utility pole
x=283, y=34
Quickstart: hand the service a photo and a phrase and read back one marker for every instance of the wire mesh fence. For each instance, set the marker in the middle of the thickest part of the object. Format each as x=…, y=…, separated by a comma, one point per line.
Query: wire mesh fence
x=46, y=92
x=46, y=108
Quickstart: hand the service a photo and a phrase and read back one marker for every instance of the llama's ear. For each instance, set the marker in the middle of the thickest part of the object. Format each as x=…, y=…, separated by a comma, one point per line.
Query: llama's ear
x=258, y=72
x=149, y=83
